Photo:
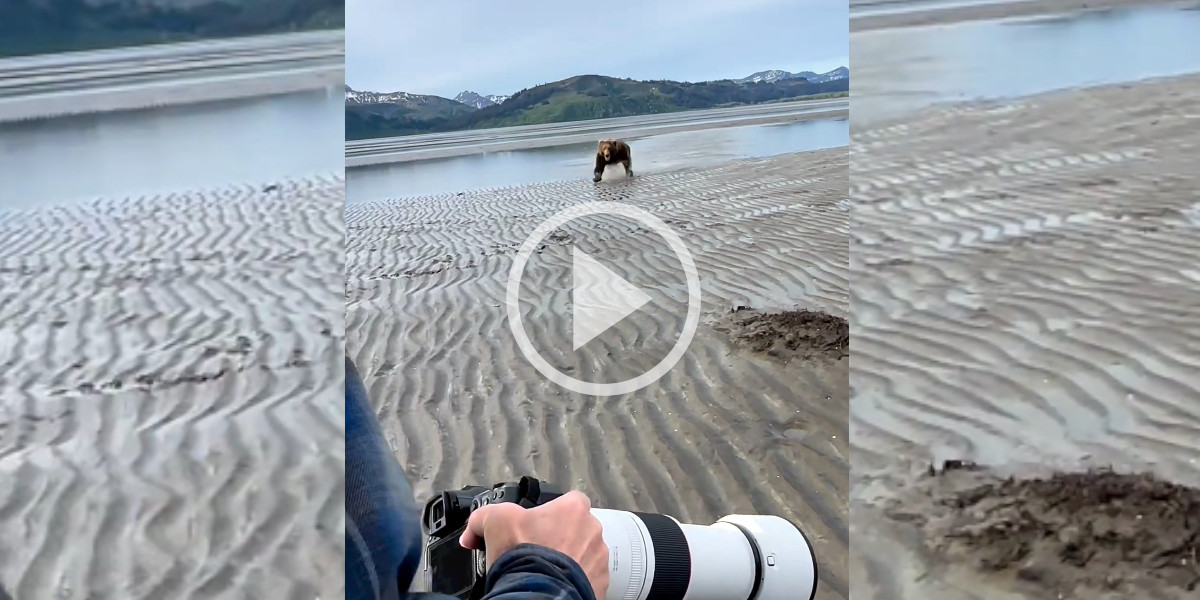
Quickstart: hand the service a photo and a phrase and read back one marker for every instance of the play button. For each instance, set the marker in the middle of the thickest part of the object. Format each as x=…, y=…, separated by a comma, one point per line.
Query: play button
x=599, y=298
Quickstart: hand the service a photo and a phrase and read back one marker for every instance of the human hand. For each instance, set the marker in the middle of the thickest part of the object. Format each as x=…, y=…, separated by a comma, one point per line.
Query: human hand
x=564, y=524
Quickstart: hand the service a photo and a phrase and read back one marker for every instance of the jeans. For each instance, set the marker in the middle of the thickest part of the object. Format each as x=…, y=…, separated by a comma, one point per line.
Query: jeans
x=383, y=535
x=383, y=530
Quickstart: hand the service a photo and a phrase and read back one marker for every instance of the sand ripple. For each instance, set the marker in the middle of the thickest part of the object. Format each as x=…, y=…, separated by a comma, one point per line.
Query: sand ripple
x=170, y=382
x=1025, y=286
x=723, y=432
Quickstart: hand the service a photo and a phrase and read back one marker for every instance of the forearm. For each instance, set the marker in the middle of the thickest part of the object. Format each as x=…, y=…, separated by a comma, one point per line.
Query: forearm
x=529, y=572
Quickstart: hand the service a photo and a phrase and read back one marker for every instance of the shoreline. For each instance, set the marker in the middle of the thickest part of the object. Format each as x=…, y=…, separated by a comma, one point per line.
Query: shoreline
x=999, y=11
x=97, y=204
x=366, y=153
x=146, y=77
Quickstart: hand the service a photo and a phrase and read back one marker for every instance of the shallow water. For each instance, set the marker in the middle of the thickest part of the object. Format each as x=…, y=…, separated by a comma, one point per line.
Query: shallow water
x=900, y=70
x=73, y=159
x=656, y=153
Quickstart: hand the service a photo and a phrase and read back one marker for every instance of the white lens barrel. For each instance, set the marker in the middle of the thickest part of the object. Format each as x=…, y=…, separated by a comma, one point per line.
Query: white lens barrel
x=630, y=555
x=787, y=558
x=723, y=564
x=741, y=557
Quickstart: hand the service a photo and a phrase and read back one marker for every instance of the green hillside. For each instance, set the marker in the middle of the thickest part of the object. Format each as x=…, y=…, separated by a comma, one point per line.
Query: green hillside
x=45, y=26
x=581, y=98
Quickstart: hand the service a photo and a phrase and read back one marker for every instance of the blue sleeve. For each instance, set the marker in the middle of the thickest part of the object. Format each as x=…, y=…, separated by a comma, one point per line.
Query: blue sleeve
x=529, y=572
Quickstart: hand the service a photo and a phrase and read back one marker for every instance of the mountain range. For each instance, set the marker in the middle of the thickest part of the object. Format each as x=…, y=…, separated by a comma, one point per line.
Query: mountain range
x=777, y=75
x=374, y=114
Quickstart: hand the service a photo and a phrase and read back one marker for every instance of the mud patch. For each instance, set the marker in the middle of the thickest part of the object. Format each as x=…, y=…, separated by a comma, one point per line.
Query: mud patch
x=790, y=335
x=1066, y=534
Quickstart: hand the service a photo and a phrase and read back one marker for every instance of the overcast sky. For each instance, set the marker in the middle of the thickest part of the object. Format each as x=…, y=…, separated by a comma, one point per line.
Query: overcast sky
x=443, y=47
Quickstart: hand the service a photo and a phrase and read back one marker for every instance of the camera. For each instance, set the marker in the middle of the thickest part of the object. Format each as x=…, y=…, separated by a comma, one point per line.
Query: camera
x=449, y=568
x=651, y=556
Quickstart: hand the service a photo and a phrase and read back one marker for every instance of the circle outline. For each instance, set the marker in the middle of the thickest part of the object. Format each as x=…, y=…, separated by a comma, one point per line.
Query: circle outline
x=517, y=327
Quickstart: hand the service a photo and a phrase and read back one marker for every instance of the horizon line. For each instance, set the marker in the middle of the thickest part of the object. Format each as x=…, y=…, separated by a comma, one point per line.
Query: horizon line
x=347, y=84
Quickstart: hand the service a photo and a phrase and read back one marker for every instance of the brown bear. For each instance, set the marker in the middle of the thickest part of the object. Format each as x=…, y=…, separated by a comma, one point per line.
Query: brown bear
x=611, y=152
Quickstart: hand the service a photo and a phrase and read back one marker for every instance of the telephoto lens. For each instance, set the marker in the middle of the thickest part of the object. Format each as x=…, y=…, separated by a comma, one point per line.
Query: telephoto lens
x=650, y=556
x=740, y=557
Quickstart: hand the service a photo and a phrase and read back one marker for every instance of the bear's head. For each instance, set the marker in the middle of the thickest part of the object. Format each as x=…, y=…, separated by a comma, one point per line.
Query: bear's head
x=608, y=148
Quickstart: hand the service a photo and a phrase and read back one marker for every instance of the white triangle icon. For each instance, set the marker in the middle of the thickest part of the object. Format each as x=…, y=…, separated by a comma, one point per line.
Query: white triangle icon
x=600, y=298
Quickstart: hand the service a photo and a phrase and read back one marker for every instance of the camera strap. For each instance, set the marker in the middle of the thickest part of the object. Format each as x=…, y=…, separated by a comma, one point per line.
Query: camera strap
x=530, y=489
x=533, y=492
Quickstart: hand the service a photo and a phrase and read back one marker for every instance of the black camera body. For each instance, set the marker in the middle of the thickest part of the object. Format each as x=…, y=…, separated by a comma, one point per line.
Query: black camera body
x=451, y=569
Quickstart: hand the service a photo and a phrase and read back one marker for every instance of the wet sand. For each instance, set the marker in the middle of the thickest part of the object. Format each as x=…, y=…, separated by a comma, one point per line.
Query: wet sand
x=1024, y=294
x=171, y=421
x=729, y=429
x=996, y=10
x=155, y=76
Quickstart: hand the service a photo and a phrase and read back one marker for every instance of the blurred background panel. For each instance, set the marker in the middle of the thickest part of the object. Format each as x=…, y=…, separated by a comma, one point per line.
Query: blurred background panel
x=171, y=299
x=1023, y=281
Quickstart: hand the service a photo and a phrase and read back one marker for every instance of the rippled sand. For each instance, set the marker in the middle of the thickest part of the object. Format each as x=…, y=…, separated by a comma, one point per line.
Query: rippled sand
x=1024, y=293
x=171, y=422
x=727, y=430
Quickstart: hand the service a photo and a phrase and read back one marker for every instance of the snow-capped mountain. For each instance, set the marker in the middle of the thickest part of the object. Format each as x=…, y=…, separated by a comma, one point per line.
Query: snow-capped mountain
x=766, y=76
x=838, y=73
x=774, y=75
x=404, y=98
x=478, y=101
